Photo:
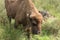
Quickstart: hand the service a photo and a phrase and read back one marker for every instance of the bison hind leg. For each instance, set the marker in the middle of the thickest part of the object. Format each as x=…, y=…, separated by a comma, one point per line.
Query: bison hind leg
x=9, y=18
x=16, y=24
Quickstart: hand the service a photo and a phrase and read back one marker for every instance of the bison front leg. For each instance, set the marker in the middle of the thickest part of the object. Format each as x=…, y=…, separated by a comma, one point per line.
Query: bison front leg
x=29, y=36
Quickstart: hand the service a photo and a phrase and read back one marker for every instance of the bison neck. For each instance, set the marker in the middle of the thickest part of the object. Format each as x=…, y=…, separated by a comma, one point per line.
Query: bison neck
x=30, y=6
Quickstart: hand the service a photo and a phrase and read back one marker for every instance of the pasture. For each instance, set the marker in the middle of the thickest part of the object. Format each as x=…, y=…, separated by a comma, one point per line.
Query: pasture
x=50, y=28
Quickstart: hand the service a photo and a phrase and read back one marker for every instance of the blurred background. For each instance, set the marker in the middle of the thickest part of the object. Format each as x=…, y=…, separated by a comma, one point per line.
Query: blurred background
x=50, y=26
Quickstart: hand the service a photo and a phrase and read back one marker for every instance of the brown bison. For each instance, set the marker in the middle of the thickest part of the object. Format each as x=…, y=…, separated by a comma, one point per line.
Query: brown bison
x=24, y=12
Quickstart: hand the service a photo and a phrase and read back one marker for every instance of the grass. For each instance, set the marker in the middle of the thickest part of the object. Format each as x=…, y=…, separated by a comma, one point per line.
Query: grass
x=50, y=28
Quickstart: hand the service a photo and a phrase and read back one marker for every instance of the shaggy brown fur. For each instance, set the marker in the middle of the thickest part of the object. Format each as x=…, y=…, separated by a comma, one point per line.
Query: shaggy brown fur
x=12, y=7
x=34, y=15
x=22, y=11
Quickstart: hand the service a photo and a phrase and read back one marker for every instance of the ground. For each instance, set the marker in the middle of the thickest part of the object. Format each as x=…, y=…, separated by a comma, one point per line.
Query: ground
x=50, y=28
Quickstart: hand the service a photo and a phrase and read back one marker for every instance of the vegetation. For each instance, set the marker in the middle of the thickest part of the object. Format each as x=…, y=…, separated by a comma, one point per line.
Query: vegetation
x=50, y=28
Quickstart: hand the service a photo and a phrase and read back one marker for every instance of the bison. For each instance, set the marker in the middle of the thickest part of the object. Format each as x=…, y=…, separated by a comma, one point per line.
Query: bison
x=24, y=12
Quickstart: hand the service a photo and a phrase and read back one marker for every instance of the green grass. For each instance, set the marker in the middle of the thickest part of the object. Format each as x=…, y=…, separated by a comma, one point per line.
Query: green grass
x=50, y=28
